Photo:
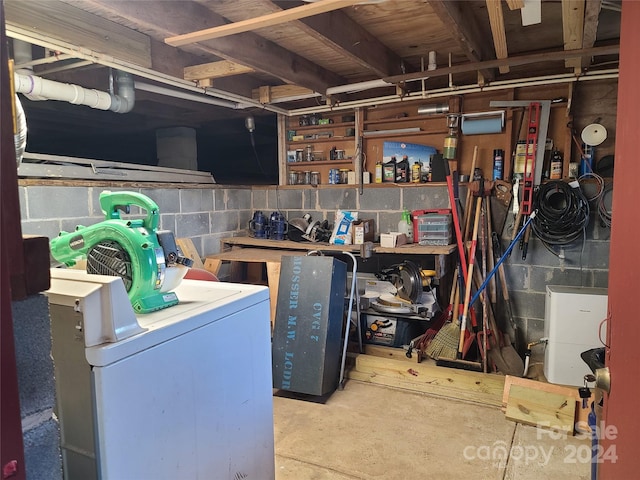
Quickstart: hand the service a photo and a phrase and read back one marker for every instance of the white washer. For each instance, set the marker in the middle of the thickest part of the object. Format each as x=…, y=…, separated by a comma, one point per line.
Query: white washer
x=185, y=393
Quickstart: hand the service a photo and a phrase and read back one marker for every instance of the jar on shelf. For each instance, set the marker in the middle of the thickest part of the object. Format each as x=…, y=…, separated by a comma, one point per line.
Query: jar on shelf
x=315, y=178
x=293, y=177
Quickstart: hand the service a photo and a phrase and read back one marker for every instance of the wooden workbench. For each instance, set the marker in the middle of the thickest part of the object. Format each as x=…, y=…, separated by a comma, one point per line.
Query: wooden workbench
x=246, y=250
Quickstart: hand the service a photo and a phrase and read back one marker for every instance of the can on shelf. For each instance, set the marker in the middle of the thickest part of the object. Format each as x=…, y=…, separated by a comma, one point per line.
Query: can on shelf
x=333, y=176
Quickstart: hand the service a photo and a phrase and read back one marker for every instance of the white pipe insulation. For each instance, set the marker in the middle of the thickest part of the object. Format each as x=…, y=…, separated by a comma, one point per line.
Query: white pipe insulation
x=37, y=88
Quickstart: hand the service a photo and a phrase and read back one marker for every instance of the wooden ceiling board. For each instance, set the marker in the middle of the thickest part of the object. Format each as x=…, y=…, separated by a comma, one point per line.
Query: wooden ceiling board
x=289, y=35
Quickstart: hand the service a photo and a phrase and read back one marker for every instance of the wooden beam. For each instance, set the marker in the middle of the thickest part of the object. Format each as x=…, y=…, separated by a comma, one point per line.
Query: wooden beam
x=515, y=4
x=339, y=32
x=591, y=15
x=222, y=68
x=280, y=92
x=77, y=27
x=573, y=28
x=511, y=61
x=244, y=48
x=496, y=20
x=268, y=20
x=465, y=31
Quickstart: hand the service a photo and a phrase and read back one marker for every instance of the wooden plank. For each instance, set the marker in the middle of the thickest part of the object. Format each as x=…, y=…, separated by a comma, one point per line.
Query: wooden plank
x=273, y=278
x=268, y=20
x=222, y=68
x=212, y=265
x=512, y=61
x=252, y=255
x=465, y=32
x=541, y=409
x=389, y=352
x=279, y=93
x=78, y=27
x=582, y=414
x=572, y=29
x=189, y=250
x=496, y=20
x=428, y=378
x=244, y=48
x=412, y=249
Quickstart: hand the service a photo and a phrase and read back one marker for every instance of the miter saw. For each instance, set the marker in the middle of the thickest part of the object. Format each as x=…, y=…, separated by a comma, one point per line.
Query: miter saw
x=415, y=292
x=147, y=259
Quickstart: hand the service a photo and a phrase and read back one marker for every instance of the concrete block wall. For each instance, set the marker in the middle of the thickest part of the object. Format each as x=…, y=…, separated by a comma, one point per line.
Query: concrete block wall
x=203, y=214
x=527, y=279
x=584, y=263
x=36, y=386
x=382, y=204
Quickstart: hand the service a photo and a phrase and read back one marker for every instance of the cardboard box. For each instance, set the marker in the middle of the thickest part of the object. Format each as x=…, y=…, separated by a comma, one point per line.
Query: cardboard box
x=392, y=239
x=363, y=231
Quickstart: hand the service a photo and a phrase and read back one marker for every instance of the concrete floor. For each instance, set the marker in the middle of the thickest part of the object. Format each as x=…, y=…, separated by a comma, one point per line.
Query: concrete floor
x=371, y=432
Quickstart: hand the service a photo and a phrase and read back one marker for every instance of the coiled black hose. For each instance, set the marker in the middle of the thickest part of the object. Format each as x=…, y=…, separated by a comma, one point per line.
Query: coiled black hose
x=563, y=213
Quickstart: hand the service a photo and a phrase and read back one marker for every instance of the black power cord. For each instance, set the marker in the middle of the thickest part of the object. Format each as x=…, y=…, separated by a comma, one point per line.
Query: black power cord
x=563, y=213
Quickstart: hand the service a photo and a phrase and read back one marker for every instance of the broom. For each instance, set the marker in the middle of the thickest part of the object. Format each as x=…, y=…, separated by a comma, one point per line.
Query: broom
x=444, y=317
x=445, y=343
x=455, y=360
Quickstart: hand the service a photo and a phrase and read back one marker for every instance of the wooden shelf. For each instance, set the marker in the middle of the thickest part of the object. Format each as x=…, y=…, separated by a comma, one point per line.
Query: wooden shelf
x=347, y=161
x=321, y=140
x=326, y=125
x=412, y=249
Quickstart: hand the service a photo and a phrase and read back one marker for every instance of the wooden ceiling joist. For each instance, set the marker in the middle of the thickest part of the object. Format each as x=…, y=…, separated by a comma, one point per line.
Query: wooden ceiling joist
x=268, y=20
x=244, y=48
x=465, y=31
x=281, y=93
x=496, y=20
x=591, y=14
x=573, y=29
x=211, y=70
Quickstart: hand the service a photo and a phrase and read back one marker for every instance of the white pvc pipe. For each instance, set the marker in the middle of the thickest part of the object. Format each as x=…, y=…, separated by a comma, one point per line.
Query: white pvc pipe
x=37, y=88
x=357, y=87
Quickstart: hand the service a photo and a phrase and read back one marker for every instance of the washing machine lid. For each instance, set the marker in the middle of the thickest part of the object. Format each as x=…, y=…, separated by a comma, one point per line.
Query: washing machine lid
x=113, y=330
x=201, y=303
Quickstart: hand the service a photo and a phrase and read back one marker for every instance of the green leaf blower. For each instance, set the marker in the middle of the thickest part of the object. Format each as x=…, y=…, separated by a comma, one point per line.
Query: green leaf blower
x=147, y=259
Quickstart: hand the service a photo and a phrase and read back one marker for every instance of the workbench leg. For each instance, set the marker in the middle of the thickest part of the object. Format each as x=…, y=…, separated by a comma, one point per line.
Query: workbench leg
x=273, y=278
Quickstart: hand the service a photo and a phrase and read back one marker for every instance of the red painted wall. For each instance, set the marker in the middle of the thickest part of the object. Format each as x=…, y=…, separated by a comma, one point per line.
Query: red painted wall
x=623, y=356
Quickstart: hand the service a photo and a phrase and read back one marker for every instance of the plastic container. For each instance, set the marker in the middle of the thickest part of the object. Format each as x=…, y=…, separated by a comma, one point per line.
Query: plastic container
x=435, y=229
x=402, y=170
x=389, y=171
x=405, y=226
